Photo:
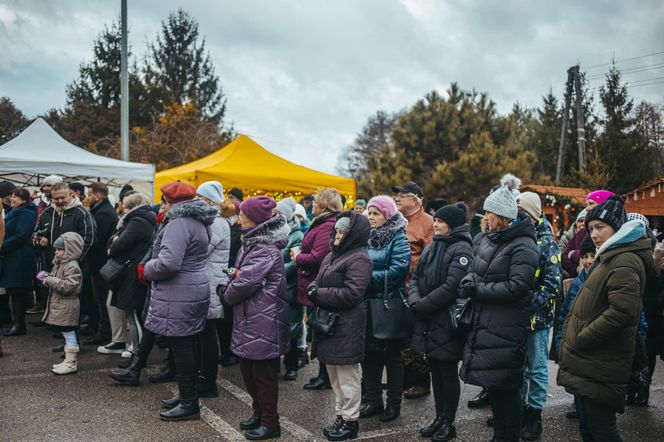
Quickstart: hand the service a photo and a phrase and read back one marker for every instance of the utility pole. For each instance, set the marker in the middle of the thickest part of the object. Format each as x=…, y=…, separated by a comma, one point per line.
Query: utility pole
x=124, y=89
x=581, y=132
x=573, y=85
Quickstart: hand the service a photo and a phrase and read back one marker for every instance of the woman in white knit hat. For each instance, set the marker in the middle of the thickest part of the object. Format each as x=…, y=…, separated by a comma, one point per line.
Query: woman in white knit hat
x=499, y=287
x=212, y=193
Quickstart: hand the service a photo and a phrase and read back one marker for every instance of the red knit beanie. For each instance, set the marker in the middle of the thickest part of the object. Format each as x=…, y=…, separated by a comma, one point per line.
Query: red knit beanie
x=177, y=191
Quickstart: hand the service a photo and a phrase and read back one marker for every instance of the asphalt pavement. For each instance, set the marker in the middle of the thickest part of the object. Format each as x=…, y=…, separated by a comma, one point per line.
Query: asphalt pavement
x=36, y=405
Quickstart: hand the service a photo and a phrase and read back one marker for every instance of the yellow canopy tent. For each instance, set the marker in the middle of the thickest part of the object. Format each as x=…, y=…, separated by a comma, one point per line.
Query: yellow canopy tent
x=245, y=164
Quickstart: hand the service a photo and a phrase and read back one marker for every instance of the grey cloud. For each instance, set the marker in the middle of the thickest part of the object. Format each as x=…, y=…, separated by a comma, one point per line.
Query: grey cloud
x=302, y=76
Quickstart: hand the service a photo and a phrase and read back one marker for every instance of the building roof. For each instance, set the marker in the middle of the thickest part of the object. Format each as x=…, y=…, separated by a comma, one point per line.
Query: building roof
x=648, y=199
x=576, y=194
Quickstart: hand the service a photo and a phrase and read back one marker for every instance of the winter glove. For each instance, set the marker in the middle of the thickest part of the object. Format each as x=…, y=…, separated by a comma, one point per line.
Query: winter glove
x=467, y=288
x=312, y=291
x=221, y=289
x=41, y=276
x=231, y=272
x=141, y=273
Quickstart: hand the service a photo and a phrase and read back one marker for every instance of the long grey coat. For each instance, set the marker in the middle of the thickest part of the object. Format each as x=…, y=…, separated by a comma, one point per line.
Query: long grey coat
x=217, y=260
x=180, y=293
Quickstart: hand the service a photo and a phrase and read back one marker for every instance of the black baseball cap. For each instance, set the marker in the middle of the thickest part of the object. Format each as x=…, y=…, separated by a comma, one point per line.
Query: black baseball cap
x=409, y=187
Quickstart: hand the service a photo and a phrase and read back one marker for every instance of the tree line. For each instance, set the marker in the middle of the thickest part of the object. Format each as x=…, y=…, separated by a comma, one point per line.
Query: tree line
x=457, y=145
x=177, y=106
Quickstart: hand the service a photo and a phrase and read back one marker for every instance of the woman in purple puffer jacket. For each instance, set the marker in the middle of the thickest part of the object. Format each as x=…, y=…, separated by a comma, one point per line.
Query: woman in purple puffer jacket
x=180, y=292
x=261, y=326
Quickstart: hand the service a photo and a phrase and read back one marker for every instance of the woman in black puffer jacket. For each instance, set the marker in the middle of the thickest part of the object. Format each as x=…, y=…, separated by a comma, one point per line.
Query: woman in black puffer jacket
x=500, y=288
x=434, y=287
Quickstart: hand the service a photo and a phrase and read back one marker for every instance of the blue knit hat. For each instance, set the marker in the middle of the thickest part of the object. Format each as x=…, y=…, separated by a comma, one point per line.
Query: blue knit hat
x=502, y=201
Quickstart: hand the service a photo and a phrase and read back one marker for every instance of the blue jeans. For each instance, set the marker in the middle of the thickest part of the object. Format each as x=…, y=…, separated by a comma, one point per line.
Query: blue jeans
x=536, y=381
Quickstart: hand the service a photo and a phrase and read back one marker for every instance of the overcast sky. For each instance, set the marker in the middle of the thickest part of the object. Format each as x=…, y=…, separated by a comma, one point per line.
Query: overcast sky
x=303, y=76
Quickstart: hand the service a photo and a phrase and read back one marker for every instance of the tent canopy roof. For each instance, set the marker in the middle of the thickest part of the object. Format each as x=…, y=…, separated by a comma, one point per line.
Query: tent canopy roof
x=245, y=164
x=41, y=150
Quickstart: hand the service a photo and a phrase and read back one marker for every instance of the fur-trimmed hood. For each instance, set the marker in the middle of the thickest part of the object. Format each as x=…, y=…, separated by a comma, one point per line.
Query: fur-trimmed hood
x=384, y=233
x=273, y=231
x=194, y=209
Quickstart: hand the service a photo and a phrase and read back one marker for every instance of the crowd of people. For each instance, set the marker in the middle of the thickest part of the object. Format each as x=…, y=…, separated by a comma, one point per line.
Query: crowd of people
x=420, y=293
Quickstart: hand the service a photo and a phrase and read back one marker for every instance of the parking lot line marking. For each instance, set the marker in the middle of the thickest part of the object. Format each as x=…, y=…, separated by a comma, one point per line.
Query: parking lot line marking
x=300, y=433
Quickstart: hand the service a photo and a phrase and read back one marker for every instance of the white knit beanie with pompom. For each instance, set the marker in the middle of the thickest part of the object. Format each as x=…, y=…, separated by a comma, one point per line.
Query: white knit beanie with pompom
x=502, y=201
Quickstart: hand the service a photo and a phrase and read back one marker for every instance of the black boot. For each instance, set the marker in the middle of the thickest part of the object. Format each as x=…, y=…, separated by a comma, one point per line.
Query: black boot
x=302, y=358
x=368, y=410
x=446, y=432
x=337, y=423
x=167, y=372
x=347, y=430
x=642, y=397
x=291, y=363
x=532, y=427
x=171, y=402
x=481, y=400
x=263, y=433
x=429, y=430
x=228, y=361
x=130, y=375
x=320, y=382
x=207, y=388
x=19, y=306
x=188, y=408
x=5, y=311
x=251, y=424
x=390, y=413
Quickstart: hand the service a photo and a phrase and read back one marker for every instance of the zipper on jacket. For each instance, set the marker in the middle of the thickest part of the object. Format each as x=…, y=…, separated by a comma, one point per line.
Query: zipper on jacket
x=245, y=310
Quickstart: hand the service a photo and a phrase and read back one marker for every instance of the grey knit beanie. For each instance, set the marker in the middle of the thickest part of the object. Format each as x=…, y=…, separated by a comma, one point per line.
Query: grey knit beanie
x=502, y=201
x=287, y=208
x=342, y=224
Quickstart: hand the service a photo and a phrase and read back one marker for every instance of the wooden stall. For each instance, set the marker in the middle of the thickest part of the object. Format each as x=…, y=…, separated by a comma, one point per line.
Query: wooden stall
x=559, y=204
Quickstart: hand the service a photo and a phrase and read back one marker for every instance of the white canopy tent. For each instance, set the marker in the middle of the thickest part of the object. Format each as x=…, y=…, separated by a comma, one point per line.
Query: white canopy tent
x=39, y=151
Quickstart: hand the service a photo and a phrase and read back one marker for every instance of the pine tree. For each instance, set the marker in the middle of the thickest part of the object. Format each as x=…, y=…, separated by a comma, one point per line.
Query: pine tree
x=547, y=135
x=178, y=69
x=12, y=120
x=623, y=149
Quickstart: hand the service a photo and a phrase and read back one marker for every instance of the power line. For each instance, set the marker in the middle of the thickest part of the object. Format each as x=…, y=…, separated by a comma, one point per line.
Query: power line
x=648, y=84
x=629, y=71
x=623, y=60
x=645, y=80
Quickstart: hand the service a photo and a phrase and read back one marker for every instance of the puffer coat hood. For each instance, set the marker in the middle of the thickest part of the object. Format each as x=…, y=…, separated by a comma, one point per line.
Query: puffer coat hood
x=599, y=334
x=65, y=280
x=261, y=328
x=342, y=280
x=503, y=277
x=180, y=292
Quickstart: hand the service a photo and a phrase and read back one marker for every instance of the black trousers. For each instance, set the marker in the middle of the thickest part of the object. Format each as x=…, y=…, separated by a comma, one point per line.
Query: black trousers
x=507, y=410
x=182, y=348
x=597, y=422
x=145, y=347
x=372, y=373
x=224, y=333
x=291, y=358
x=208, y=352
x=446, y=387
x=21, y=299
x=100, y=290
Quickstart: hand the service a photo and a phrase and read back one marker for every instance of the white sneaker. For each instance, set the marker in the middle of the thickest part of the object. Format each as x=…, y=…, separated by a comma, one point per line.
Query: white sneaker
x=127, y=354
x=112, y=348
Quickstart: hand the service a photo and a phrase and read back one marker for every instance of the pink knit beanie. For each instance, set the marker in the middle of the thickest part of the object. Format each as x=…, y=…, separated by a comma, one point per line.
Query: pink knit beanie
x=385, y=204
x=599, y=196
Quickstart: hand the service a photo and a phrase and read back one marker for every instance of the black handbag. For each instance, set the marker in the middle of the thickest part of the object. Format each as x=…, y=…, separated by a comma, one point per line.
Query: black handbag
x=390, y=318
x=112, y=269
x=323, y=321
x=460, y=315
